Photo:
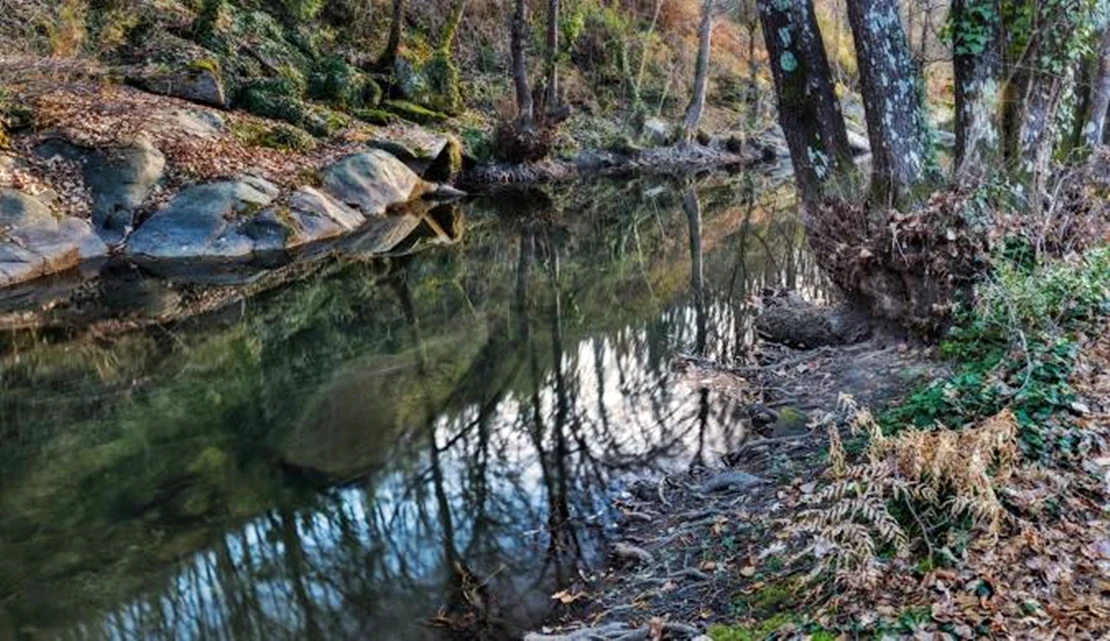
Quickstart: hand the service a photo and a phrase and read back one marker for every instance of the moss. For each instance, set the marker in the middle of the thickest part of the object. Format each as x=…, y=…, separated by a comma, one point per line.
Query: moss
x=415, y=113
x=374, y=116
x=443, y=83
x=284, y=137
x=210, y=65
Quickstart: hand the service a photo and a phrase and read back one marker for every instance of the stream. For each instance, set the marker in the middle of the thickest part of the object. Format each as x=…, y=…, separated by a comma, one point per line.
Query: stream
x=416, y=446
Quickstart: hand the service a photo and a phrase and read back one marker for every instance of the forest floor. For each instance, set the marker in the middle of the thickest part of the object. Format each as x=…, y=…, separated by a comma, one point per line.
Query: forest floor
x=718, y=551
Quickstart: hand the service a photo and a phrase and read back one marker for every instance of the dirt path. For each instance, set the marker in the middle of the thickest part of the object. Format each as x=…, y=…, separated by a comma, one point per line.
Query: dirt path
x=710, y=547
x=702, y=547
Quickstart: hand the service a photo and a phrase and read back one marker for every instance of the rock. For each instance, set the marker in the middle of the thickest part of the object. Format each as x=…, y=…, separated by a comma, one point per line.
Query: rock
x=371, y=181
x=213, y=221
x=34, y=242
x=196, y=122
x=313, y=215
x=195, y=83
x=120, y=180
x=444, y=192
x=731, y=479
x=436, y=157
x=448, y=163
x=657, y=132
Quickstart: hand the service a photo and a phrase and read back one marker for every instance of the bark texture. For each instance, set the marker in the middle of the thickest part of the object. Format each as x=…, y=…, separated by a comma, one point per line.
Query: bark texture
x=896, y=126
x=1093, y=130
x=396, y=23
x=701, y=74
x=517, y=31
x=808, y=109
x=978, y=69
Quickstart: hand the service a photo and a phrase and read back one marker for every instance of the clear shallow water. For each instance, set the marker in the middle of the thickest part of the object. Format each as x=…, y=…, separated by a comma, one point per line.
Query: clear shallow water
x=415, y=447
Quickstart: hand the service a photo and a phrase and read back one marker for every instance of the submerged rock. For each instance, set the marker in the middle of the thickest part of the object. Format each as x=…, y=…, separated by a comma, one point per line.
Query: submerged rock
x=34, y=242
x=371, y=181
x=217, y=220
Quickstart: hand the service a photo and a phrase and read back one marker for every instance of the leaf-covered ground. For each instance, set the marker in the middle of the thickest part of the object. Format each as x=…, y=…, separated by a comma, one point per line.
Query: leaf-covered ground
x=695, y=554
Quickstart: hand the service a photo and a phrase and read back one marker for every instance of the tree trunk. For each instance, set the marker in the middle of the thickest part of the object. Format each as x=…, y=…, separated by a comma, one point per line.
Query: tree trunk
x=901, y=152
x=524, y=108
x=396, y=23
x=978, y=68
x=807, y=106
x=701, y=74
x=452, y=26
x=1100, y=96
x=551, y=94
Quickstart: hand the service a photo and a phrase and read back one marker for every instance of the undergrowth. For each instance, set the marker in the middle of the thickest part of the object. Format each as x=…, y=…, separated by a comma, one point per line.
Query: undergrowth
x=1015, y=348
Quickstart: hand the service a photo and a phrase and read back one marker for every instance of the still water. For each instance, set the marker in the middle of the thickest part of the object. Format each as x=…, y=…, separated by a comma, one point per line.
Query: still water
x=418, y=446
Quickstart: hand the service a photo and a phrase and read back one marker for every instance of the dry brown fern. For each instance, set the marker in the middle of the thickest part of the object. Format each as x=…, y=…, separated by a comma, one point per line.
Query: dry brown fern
x=939, y=476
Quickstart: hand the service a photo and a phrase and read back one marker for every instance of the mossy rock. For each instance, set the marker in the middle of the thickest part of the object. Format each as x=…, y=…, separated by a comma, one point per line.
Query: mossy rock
x=378, y=117
x=448, y=164
x=258, y=101
x=415, y=113
x=284, y=137
x=339, y=83
x=322, y=122
x=442, y=76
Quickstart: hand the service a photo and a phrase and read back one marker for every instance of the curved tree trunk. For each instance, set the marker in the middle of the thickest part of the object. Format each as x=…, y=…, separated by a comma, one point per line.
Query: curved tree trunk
x=807, y=106
x=978, y=68
x=524, y=107
x=901, y=151
x=701, y=74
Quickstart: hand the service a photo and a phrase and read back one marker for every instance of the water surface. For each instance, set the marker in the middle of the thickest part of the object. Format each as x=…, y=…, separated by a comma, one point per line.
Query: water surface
x=419, y=446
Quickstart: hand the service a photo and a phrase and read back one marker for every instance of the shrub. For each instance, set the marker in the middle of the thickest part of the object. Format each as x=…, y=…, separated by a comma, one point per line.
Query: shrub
x=302, y=9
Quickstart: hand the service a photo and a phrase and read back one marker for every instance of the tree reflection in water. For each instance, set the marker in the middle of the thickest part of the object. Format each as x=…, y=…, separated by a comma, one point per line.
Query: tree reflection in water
x=457, y=507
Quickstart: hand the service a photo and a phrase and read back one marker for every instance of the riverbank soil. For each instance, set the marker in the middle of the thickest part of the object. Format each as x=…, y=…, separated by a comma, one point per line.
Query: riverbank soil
x=726, y=550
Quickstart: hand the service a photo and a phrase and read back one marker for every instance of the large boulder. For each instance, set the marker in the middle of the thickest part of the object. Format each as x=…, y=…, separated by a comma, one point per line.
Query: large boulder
x=371, y=181
x=213, y=221
x=433, y=156
x=196, y=82
x=35, y=242
x=312, y=215
x=120, y=180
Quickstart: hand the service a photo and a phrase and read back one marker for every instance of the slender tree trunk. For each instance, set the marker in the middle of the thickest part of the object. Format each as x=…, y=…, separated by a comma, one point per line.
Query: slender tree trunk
x=701, y=74
x=551, y=96
x=452, y=26
x=807, y=106
x=396, y=23
x=1100, y=96
x=896, y=125
x=978, y=68
x=524, y=106
x=637, y=95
